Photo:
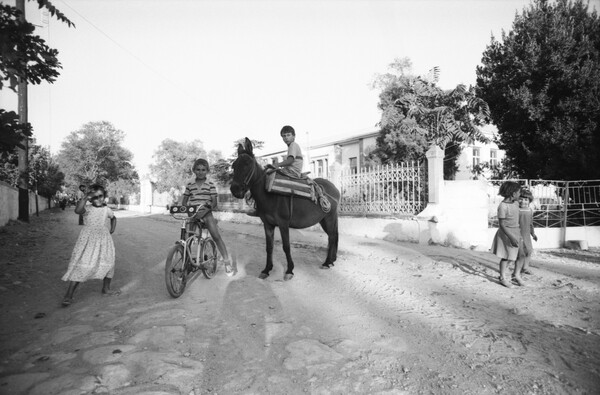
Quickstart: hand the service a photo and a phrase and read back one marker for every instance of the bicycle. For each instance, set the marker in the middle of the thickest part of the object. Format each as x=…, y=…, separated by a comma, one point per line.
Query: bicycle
x=195, y=250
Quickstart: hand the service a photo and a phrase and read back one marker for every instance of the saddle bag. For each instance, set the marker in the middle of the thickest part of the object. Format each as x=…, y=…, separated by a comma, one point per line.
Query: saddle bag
x=285, y=185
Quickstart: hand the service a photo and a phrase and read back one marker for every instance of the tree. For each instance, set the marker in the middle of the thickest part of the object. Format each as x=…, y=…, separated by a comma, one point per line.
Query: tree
x=93, y=154
x=542, y=82
x=23, y=57
x=221, y=168
x=44, y=175
x=12, y=132
x=416, y=114
x=172, y=167
x=122, y=191
x=54, y=12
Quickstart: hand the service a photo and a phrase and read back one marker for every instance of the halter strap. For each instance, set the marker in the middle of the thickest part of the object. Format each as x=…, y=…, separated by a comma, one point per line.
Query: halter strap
x=249, y=177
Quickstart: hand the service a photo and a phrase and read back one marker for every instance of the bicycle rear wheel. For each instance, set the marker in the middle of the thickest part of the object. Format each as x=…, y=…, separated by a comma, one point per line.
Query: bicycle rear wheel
x=176, y=271
x=209, y=258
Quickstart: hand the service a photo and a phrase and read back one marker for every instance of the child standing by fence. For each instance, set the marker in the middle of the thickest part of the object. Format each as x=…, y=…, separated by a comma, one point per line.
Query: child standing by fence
x=94, y=254
x=527, y=230
x=508, y=237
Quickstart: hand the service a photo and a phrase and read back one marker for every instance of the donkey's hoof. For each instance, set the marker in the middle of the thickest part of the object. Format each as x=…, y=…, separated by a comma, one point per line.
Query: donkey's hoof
x=262, y=276
x=327, y=265
x=288, y=276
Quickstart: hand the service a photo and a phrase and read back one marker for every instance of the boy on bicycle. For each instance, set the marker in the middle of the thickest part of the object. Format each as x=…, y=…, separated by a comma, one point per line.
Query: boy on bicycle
x=203, y=193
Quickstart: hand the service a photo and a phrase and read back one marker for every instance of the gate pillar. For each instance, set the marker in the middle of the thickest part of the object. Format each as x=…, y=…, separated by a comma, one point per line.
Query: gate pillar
x=435, y=174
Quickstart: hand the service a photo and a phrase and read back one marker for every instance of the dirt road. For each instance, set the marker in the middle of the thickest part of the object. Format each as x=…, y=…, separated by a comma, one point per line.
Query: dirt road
x=389, y=318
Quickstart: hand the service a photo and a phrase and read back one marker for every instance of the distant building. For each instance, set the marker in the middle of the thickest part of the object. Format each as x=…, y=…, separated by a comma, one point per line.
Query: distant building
x=478, y=154
x=323, y=158
x=348, y=154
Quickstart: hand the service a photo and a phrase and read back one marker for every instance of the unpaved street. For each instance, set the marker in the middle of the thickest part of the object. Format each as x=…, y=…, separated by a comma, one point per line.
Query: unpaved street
x=389, y=318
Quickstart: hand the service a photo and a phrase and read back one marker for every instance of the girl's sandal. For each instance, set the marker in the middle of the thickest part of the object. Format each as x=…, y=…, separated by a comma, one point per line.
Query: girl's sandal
x=518, y=281
x=505, y=282
x=526, y=271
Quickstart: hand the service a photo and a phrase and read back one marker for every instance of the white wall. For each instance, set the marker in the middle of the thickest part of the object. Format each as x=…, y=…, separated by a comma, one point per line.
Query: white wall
x=553, y=237
x=460, y=218
x=9, y=203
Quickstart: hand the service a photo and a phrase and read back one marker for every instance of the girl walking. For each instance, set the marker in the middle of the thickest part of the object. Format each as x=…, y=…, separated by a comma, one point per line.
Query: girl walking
x=508, y=237
x=527, y=230
x=94, y=254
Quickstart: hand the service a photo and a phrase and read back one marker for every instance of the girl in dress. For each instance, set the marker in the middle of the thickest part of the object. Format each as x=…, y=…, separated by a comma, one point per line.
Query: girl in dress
x=508, y=237
x=94, y=254
x=527, y=230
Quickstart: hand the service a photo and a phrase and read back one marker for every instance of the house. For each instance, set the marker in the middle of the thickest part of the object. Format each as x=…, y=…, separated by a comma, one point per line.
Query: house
x=479, y=153
x=325, y=157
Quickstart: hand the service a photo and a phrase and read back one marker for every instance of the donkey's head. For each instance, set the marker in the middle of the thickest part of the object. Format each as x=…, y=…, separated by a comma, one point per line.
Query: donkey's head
x=244, y=169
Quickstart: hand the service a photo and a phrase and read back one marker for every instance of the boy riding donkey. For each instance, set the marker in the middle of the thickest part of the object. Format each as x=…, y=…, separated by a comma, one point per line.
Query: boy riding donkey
x=286, y=177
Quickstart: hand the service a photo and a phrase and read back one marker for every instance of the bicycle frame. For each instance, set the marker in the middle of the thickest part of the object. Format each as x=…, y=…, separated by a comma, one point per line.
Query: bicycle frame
x=188, y=233
x=187, y=237
x=183, y=262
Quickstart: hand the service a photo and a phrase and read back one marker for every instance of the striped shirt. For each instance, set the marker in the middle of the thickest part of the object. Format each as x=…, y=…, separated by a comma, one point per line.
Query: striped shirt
x=200, y=195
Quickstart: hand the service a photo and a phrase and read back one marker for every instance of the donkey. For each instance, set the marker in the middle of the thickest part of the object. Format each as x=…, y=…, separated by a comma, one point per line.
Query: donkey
x=282, y=211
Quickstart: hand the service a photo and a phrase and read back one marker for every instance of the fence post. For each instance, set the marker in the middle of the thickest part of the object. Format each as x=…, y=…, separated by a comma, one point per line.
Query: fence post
x=565, y=213
x=435, y=173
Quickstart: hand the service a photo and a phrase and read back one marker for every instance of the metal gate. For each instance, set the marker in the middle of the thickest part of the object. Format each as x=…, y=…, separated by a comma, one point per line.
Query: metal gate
x=399, y=188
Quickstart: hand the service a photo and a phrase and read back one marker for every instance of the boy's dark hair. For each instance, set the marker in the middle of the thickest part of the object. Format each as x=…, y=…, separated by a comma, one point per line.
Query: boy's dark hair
x=201, y=162
x=526, y=193
x=287, y=129
x=508, y=188
x=82, y=185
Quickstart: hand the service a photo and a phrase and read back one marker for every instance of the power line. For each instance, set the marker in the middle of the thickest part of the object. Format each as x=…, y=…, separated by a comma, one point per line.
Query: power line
x=140, y=60
x=127, y=50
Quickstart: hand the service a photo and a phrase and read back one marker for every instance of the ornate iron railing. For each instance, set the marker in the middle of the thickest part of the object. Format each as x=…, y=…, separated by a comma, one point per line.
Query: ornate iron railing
x=395, y=189
x=556, y=203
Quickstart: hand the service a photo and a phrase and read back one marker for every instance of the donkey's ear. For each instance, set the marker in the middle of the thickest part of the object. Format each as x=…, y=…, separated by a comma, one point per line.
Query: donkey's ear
x=248, y=146
x=240, y=149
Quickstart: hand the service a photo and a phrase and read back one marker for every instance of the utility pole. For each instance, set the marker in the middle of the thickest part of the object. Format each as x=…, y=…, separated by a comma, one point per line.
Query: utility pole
x=23, y=182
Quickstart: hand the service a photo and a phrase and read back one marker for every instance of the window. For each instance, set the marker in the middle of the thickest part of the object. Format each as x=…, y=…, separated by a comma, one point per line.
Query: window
x=320, y=168
x=493, y=157
x=353, y=165
x=476, y=156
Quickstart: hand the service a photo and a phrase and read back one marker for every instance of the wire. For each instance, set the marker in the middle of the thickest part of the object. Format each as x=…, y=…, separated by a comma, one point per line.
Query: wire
x=142, y=62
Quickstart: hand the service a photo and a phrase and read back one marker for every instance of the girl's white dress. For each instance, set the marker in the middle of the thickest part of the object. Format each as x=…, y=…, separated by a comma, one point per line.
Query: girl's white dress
x=94, y=254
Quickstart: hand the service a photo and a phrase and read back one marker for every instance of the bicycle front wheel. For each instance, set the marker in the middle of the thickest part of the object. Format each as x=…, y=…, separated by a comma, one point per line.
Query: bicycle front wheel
x=176, y=271
x=209, y=258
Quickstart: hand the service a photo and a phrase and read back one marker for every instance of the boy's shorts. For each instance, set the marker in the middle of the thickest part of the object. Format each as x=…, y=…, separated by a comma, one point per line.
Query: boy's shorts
x=197, y=219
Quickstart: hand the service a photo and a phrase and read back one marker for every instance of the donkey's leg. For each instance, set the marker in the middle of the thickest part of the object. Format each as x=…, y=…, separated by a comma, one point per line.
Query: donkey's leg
x=269, y=235
x=285, y=240
x=330, y=226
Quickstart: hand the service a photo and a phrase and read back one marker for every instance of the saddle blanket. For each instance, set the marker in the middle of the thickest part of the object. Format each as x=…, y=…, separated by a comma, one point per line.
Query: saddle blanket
x=284, y=185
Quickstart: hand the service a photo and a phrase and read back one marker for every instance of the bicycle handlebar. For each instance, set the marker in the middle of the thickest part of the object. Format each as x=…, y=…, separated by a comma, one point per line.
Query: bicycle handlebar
x=185, y=212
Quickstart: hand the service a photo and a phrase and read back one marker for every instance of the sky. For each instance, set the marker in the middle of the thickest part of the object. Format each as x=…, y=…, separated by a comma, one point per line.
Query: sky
x=218, y=71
